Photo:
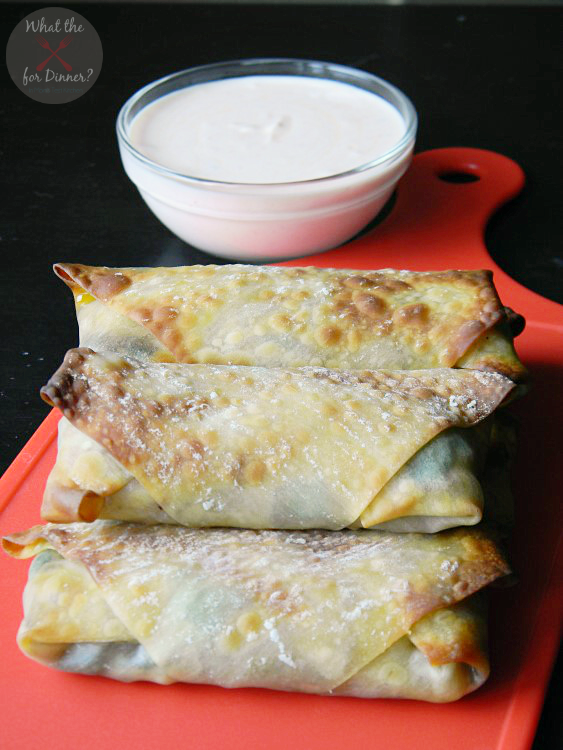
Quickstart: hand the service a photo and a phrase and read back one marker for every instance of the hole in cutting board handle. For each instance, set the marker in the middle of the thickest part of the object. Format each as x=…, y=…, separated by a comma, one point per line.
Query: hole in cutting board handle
x=458, y=178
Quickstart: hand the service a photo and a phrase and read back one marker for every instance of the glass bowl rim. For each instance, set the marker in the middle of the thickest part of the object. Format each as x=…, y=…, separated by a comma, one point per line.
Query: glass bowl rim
x=411, y=119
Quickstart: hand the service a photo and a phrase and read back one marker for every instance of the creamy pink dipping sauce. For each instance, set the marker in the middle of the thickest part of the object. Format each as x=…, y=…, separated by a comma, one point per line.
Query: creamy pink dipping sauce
x=267, y=129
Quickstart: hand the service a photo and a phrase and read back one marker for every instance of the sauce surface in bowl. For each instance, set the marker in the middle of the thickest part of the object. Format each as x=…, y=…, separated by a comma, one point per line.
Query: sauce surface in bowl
x=267, y=129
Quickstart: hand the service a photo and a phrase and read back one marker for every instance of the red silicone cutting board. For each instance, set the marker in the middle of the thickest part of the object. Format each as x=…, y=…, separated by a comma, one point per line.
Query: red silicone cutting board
x=434, y=225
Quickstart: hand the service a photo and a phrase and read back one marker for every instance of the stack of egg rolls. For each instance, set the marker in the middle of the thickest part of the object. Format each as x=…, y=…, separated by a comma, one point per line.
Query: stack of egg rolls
x=276, y=477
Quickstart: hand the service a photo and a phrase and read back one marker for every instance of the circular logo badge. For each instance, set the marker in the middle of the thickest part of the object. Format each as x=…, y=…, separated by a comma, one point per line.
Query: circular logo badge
x=54, y=55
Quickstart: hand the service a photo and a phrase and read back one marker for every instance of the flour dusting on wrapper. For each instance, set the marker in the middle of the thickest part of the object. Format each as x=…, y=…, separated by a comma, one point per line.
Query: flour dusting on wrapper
x=293, y=317
x=256, y=447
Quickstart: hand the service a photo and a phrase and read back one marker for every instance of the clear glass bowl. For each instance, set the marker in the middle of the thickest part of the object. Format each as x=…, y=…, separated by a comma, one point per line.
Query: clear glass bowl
x=266, y=222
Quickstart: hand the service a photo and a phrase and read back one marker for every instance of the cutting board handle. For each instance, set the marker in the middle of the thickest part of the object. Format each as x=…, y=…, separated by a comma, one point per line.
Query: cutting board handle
x=434, y=214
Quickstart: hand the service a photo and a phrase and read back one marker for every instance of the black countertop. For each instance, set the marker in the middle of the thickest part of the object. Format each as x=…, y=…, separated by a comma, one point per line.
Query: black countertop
x=488, y=77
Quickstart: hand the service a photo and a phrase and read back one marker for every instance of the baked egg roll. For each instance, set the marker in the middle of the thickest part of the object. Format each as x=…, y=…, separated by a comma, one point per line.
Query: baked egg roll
x=254, y=447
x=294, y=317
x=361, y=613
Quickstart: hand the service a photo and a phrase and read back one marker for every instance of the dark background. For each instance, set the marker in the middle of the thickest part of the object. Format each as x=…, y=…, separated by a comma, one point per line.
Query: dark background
x=488, y=77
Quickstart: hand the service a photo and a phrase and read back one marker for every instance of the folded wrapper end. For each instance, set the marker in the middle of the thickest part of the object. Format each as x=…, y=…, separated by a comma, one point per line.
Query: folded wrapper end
x=101, y=282
x=497, y=538
x=65, y=504
x=65, y=389
x=494, y=351
x=446, y=647
x=25, y=544
x=60, y=271
x=516, y=322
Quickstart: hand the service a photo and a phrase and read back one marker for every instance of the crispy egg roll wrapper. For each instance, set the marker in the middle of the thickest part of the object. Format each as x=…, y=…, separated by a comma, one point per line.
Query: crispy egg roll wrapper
x=364, y=613
x=252, y=447
x=295, y=317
